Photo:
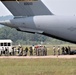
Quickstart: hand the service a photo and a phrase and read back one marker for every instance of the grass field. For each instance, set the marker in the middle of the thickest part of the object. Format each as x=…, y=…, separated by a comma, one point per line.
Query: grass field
x=37, y=66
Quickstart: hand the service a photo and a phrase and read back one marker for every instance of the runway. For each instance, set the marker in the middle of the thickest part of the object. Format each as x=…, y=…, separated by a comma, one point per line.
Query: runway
x=38, y=57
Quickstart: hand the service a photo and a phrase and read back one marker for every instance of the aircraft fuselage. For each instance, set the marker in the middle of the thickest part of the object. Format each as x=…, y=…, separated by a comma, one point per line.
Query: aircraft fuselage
x=62, y=27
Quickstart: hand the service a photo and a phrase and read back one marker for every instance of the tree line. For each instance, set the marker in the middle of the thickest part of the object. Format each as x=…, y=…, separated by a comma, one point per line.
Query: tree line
x=26, y=38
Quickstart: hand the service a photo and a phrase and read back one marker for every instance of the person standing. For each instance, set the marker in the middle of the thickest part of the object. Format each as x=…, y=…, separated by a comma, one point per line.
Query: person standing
x=18, y=50
x=21, y=51
x=45, y=51
x=6, y=51
x=58, y=51
x=3, y=50
x=26, y=50
x=69, y=49
x=12, y=51
x=66, y=49
x=54, y=50
x=31, y=51
x=63, y=50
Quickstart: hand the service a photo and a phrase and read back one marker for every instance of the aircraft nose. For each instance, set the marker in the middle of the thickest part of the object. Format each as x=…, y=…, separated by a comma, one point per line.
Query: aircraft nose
x=2, y=22
x=5, y=22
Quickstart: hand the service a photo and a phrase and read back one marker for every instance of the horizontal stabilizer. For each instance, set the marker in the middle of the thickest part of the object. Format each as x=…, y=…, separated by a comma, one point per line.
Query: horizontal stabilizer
x=25, y=8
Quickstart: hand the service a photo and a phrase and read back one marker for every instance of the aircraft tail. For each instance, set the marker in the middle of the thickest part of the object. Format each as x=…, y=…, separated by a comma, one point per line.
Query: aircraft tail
x=27, y=8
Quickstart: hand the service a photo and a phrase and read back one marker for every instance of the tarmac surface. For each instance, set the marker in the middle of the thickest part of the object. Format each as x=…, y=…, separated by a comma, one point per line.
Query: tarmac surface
x=35, y=57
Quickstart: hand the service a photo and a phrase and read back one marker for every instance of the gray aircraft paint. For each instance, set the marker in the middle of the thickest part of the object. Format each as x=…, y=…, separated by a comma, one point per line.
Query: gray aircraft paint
x=62, y=26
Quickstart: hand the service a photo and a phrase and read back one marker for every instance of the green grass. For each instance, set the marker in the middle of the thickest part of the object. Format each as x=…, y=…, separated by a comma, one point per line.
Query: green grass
x=37, y=66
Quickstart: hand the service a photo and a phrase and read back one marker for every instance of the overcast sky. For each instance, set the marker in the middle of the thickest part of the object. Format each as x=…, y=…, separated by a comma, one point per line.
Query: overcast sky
x=58, y=7
x=3, y=10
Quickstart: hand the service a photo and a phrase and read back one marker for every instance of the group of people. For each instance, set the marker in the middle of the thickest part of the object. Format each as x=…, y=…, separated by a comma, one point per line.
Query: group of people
x=40, y=51
x=37, y=51
x=4, y=51
x=62, y=50
x=22, y=52
x=66, y=50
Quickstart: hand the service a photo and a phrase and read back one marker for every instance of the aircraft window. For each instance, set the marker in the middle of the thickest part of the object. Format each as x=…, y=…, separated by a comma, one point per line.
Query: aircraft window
x=5, y=44
x=9, y=44
x=1, y=44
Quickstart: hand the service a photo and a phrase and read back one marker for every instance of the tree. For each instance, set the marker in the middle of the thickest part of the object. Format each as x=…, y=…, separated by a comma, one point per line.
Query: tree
x=26, y=38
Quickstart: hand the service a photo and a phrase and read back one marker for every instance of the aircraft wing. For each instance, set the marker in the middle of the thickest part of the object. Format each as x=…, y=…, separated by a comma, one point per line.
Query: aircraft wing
x=23, y=8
